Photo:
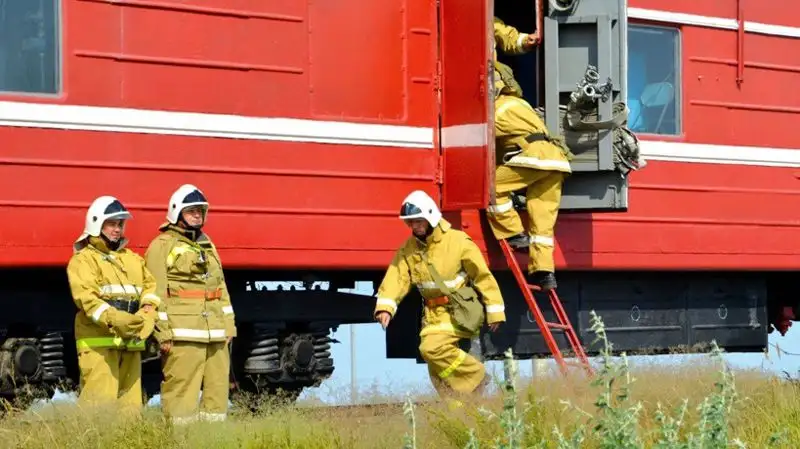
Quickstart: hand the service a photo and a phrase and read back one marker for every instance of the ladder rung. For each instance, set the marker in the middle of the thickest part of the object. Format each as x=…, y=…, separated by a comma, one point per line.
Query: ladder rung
x=555, y=301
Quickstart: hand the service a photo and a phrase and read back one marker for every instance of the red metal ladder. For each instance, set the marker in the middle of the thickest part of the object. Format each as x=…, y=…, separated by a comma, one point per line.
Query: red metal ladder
x=545, y=326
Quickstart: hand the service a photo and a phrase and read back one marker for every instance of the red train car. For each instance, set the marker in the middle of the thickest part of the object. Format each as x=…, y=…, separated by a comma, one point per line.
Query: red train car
x=306, y=123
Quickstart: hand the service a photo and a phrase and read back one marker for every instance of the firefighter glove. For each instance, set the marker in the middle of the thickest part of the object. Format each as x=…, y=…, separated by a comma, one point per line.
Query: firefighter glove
x=149, y=323
x=123, y=324
x=161, y=335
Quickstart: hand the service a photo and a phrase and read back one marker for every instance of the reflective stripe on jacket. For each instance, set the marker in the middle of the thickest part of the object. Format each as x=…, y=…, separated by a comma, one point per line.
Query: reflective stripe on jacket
x=514, y=119
x=457, y=259
x=511, y=42
x=100, y=279
x=196, y=306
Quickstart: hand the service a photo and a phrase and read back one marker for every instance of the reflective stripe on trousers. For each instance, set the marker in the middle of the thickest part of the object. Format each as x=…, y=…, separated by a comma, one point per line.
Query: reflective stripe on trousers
x=453, y=366
x=201, y=416
x=198, y=333
x=108, y=342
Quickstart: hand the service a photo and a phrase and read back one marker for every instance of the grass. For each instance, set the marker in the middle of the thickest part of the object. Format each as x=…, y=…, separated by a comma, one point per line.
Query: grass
x=701, y=406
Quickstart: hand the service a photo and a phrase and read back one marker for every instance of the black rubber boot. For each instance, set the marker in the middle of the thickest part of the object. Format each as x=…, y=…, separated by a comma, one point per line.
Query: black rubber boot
x=519, y=242
x=546, y=280
x=519, y=201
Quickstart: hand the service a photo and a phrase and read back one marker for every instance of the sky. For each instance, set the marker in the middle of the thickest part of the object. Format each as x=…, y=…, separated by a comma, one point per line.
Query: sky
x=374, y=373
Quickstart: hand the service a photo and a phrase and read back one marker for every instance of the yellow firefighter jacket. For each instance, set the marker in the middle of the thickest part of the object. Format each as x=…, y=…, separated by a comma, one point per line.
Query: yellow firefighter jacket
x=457, y=260
x=197, y=306
x=511, y=42
x=101, y=279
x=515, y=121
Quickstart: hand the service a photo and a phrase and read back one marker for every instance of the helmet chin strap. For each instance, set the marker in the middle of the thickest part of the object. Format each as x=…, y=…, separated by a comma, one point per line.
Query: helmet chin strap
x=194, y=230
x=428, y=232
x=113, y=245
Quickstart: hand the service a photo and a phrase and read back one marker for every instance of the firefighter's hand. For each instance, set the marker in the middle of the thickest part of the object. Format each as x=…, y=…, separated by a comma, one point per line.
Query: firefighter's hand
x=149, y=316
x=383, y=318
x=166, y=346
x=530, y=42
x=493, y=326
x=124, y=324
x=147, y=327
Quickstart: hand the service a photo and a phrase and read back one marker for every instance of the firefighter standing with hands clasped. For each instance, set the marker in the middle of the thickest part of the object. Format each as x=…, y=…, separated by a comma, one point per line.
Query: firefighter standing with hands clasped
x=117, y=300
x=196, y=321
x=444, y=264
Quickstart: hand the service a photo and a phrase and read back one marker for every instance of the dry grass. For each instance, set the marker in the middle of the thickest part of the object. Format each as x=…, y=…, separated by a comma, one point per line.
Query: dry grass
x=756, y=411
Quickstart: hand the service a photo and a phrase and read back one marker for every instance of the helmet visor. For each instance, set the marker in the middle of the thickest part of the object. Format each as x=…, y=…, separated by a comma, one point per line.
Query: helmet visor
x=115, y=210
x=408, y=210
x=194, y=198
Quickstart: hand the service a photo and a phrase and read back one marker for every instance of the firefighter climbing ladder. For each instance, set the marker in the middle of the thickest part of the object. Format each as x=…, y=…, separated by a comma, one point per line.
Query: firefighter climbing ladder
x=544, y=326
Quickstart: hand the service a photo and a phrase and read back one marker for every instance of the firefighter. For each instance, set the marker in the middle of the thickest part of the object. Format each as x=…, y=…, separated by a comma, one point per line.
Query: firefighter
x=453, y=309
x=196, y=321
x=529, y=158
x=514, y=43
x=116, y=299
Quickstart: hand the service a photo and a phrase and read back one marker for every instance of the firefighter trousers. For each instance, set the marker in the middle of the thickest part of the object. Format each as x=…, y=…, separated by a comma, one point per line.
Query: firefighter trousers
x=450, y=367
x=543, y=198
x=189, y=367
x=108, y=375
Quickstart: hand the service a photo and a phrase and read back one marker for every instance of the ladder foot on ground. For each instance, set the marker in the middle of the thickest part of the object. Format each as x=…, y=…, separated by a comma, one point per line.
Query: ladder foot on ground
x=546, y=327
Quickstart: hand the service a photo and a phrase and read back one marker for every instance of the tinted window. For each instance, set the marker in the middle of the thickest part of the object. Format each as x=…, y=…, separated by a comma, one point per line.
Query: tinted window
x=29, y=46
x=654, y=80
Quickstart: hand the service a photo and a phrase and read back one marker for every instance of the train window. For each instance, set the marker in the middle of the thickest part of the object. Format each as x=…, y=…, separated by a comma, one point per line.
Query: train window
x=654, y=79
x=29, y=46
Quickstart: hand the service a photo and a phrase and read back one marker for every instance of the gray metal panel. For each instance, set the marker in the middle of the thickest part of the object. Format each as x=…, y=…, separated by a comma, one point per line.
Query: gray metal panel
x=594, y=191
x=589, y=34
x=598, y=191
x=592, y=33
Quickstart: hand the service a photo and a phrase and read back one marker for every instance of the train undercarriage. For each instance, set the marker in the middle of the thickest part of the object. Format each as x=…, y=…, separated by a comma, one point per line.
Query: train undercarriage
x=284, y=340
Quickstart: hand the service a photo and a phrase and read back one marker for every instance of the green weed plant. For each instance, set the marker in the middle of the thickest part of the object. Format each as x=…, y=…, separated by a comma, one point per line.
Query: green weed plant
x=682, y=408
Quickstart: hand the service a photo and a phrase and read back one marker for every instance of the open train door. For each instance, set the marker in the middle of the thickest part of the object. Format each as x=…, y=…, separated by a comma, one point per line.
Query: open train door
x=578, y=34
x=465, y=111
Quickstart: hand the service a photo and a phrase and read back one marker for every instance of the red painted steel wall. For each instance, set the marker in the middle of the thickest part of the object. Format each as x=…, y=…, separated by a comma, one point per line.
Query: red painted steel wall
x=274, y=203
x=711, y=216
x=288, y=204
x=273, y=58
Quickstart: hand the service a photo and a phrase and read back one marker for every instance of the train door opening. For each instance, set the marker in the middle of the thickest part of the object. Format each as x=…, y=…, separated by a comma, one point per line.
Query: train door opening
x=577, y=39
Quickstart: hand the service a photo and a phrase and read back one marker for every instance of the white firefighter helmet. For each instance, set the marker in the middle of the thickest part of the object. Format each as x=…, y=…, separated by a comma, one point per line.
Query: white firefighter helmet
x=187, y=195
x=103, y=208
x=419, y=205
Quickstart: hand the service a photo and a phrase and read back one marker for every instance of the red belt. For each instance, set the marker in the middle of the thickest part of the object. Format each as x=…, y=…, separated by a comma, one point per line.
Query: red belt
x=198, y=294
x=438, y=301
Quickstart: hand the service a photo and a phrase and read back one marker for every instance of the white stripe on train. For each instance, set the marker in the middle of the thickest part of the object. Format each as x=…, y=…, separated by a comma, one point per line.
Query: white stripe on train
x=94, y=118
x=721, y=23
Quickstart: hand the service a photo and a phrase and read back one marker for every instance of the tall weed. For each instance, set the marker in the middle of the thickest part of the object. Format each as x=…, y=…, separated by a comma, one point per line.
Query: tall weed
x=615, y=422
x=678, y=408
